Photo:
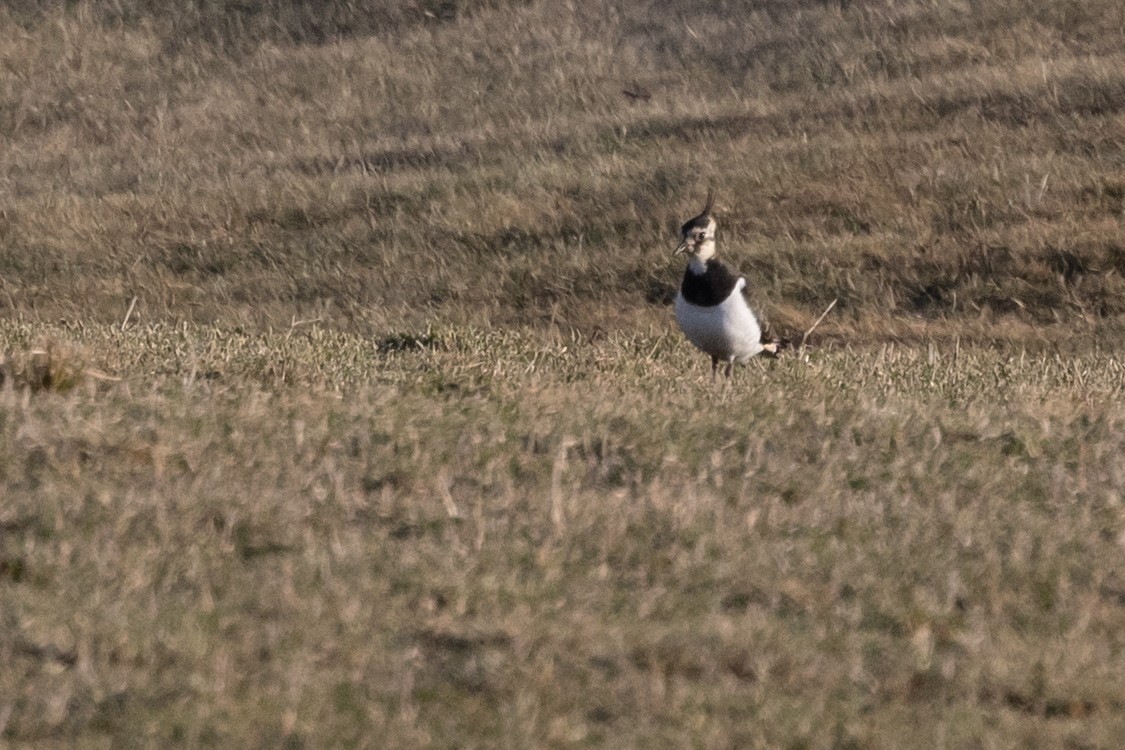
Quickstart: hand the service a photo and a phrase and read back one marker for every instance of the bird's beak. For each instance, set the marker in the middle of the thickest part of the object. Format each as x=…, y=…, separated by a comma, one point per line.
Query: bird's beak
x=682, y=248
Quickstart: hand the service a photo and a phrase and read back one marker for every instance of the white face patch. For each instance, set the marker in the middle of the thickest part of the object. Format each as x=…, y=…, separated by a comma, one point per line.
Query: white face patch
x=703, y=240
x=700, y=240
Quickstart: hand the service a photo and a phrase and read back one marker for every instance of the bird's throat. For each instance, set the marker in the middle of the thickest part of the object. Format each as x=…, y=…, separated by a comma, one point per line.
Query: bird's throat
x=706, y=250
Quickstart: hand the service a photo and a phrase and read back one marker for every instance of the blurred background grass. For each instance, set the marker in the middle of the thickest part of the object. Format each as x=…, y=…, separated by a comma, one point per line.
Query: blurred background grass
x=342, y=406
x=387, y=165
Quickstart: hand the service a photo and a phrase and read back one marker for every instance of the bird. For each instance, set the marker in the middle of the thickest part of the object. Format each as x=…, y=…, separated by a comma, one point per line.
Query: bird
x=710, y=307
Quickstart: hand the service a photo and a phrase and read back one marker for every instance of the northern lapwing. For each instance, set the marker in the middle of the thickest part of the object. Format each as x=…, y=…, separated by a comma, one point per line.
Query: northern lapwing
x=710, y=307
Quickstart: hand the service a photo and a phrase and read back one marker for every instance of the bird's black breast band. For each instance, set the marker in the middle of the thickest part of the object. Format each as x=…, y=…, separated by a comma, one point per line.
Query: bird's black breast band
x=711, y=287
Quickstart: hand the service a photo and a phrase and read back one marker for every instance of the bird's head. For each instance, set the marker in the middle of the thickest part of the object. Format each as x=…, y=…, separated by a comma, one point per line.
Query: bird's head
x=697, y=236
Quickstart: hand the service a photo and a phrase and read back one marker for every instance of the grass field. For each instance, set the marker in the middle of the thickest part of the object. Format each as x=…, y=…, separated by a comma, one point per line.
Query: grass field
x=342, y=405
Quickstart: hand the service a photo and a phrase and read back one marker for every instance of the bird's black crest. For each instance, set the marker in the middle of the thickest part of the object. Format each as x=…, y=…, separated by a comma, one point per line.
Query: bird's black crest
x=699, y=222
x=704, y=218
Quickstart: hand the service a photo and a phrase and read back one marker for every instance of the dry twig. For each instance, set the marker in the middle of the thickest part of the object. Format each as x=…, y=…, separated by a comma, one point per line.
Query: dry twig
x=801, y=346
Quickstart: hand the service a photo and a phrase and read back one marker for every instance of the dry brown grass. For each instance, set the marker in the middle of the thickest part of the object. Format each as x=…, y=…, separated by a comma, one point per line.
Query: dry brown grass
x=405, y=451
x=50, y=366
x=479, y=539
x=388, y=166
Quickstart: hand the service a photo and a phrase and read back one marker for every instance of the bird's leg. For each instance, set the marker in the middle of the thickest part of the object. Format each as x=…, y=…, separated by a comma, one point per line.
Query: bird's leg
x=730, y=367
x=714, y=368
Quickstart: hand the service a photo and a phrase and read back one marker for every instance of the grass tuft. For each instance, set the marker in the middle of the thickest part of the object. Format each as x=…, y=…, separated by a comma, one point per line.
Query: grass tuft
x=402, y=447
x=49, y=366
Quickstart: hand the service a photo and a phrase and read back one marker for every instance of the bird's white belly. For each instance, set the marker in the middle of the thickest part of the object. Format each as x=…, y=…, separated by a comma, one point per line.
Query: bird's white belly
x=728, y=330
